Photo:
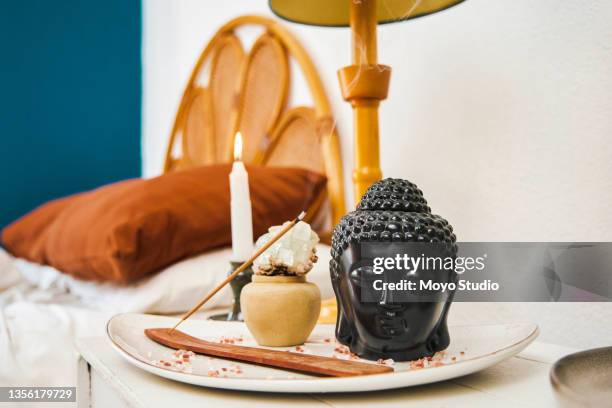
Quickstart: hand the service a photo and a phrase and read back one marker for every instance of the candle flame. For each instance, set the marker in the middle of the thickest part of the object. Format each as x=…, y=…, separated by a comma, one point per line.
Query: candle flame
x=238, y=147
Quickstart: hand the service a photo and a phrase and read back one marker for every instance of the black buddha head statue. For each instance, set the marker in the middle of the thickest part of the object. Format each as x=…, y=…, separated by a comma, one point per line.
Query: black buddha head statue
x=392, y=213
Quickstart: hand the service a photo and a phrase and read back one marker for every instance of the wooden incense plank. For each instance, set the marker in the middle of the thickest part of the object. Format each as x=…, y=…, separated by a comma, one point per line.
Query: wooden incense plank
x=274, y=358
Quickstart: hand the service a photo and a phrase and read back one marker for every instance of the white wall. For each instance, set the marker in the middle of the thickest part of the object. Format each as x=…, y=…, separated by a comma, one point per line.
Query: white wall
x=500, y=110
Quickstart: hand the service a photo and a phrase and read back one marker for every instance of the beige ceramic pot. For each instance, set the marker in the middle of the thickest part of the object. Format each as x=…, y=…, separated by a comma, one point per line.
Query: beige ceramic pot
x=280, y=311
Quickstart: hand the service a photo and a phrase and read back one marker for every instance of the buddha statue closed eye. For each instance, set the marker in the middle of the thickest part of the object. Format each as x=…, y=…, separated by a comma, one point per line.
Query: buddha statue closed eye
x=392, y=213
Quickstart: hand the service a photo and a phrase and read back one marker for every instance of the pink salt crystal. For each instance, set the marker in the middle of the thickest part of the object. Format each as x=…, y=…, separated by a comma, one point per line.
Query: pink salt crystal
x=341, y=349
x=416, y=364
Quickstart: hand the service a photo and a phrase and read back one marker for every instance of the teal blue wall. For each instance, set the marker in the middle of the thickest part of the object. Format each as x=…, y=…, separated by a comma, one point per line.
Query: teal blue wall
x=70, y=80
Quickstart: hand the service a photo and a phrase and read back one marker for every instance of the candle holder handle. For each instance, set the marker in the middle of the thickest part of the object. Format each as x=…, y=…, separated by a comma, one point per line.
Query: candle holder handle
x=237, y=284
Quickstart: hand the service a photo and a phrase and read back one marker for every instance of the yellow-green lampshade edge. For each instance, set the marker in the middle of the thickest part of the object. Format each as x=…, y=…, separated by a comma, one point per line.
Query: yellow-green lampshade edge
x=335, y=13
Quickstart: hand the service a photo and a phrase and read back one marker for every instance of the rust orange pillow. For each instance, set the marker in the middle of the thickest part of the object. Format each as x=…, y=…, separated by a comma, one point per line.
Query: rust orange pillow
x=130, y=229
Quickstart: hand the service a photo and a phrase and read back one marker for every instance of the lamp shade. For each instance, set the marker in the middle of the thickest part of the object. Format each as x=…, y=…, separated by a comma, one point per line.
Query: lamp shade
x=335, y=13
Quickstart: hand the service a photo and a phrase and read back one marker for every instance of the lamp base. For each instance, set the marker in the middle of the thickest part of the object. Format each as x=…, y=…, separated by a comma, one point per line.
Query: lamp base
x=239, y=282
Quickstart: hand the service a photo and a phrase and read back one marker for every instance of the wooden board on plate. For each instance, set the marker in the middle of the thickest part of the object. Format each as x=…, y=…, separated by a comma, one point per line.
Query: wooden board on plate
x=274, y=358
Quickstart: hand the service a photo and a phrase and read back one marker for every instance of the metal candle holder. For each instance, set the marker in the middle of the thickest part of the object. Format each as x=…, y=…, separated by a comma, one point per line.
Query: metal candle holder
x=239, y=282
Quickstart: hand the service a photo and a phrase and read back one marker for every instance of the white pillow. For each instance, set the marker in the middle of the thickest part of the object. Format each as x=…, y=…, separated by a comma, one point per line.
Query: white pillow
x=173, y=290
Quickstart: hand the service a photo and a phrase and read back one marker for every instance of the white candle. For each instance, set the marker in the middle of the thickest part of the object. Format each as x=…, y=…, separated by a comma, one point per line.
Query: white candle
x=240, y=204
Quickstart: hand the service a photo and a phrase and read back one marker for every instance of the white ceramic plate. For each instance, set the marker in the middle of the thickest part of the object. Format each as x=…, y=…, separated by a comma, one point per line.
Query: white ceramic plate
x=472, y=349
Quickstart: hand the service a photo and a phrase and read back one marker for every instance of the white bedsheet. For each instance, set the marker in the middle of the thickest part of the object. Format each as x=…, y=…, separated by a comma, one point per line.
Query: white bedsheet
x=38, y=329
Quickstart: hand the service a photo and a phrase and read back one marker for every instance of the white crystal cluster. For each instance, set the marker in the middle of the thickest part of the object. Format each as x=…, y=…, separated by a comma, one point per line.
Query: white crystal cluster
x=293, y=254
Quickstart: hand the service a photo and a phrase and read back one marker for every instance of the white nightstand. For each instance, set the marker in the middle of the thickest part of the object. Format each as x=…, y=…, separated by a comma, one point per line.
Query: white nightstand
x=520, y=381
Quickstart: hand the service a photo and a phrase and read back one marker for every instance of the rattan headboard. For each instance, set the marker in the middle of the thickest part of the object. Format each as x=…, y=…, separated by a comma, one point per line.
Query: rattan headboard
x=231, y=89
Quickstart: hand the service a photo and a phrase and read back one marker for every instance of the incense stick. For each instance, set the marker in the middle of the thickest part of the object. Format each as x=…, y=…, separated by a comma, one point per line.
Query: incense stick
x=241, y=268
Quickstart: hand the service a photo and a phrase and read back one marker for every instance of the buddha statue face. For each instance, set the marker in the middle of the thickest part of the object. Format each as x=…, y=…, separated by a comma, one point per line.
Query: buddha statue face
x=388, y=323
